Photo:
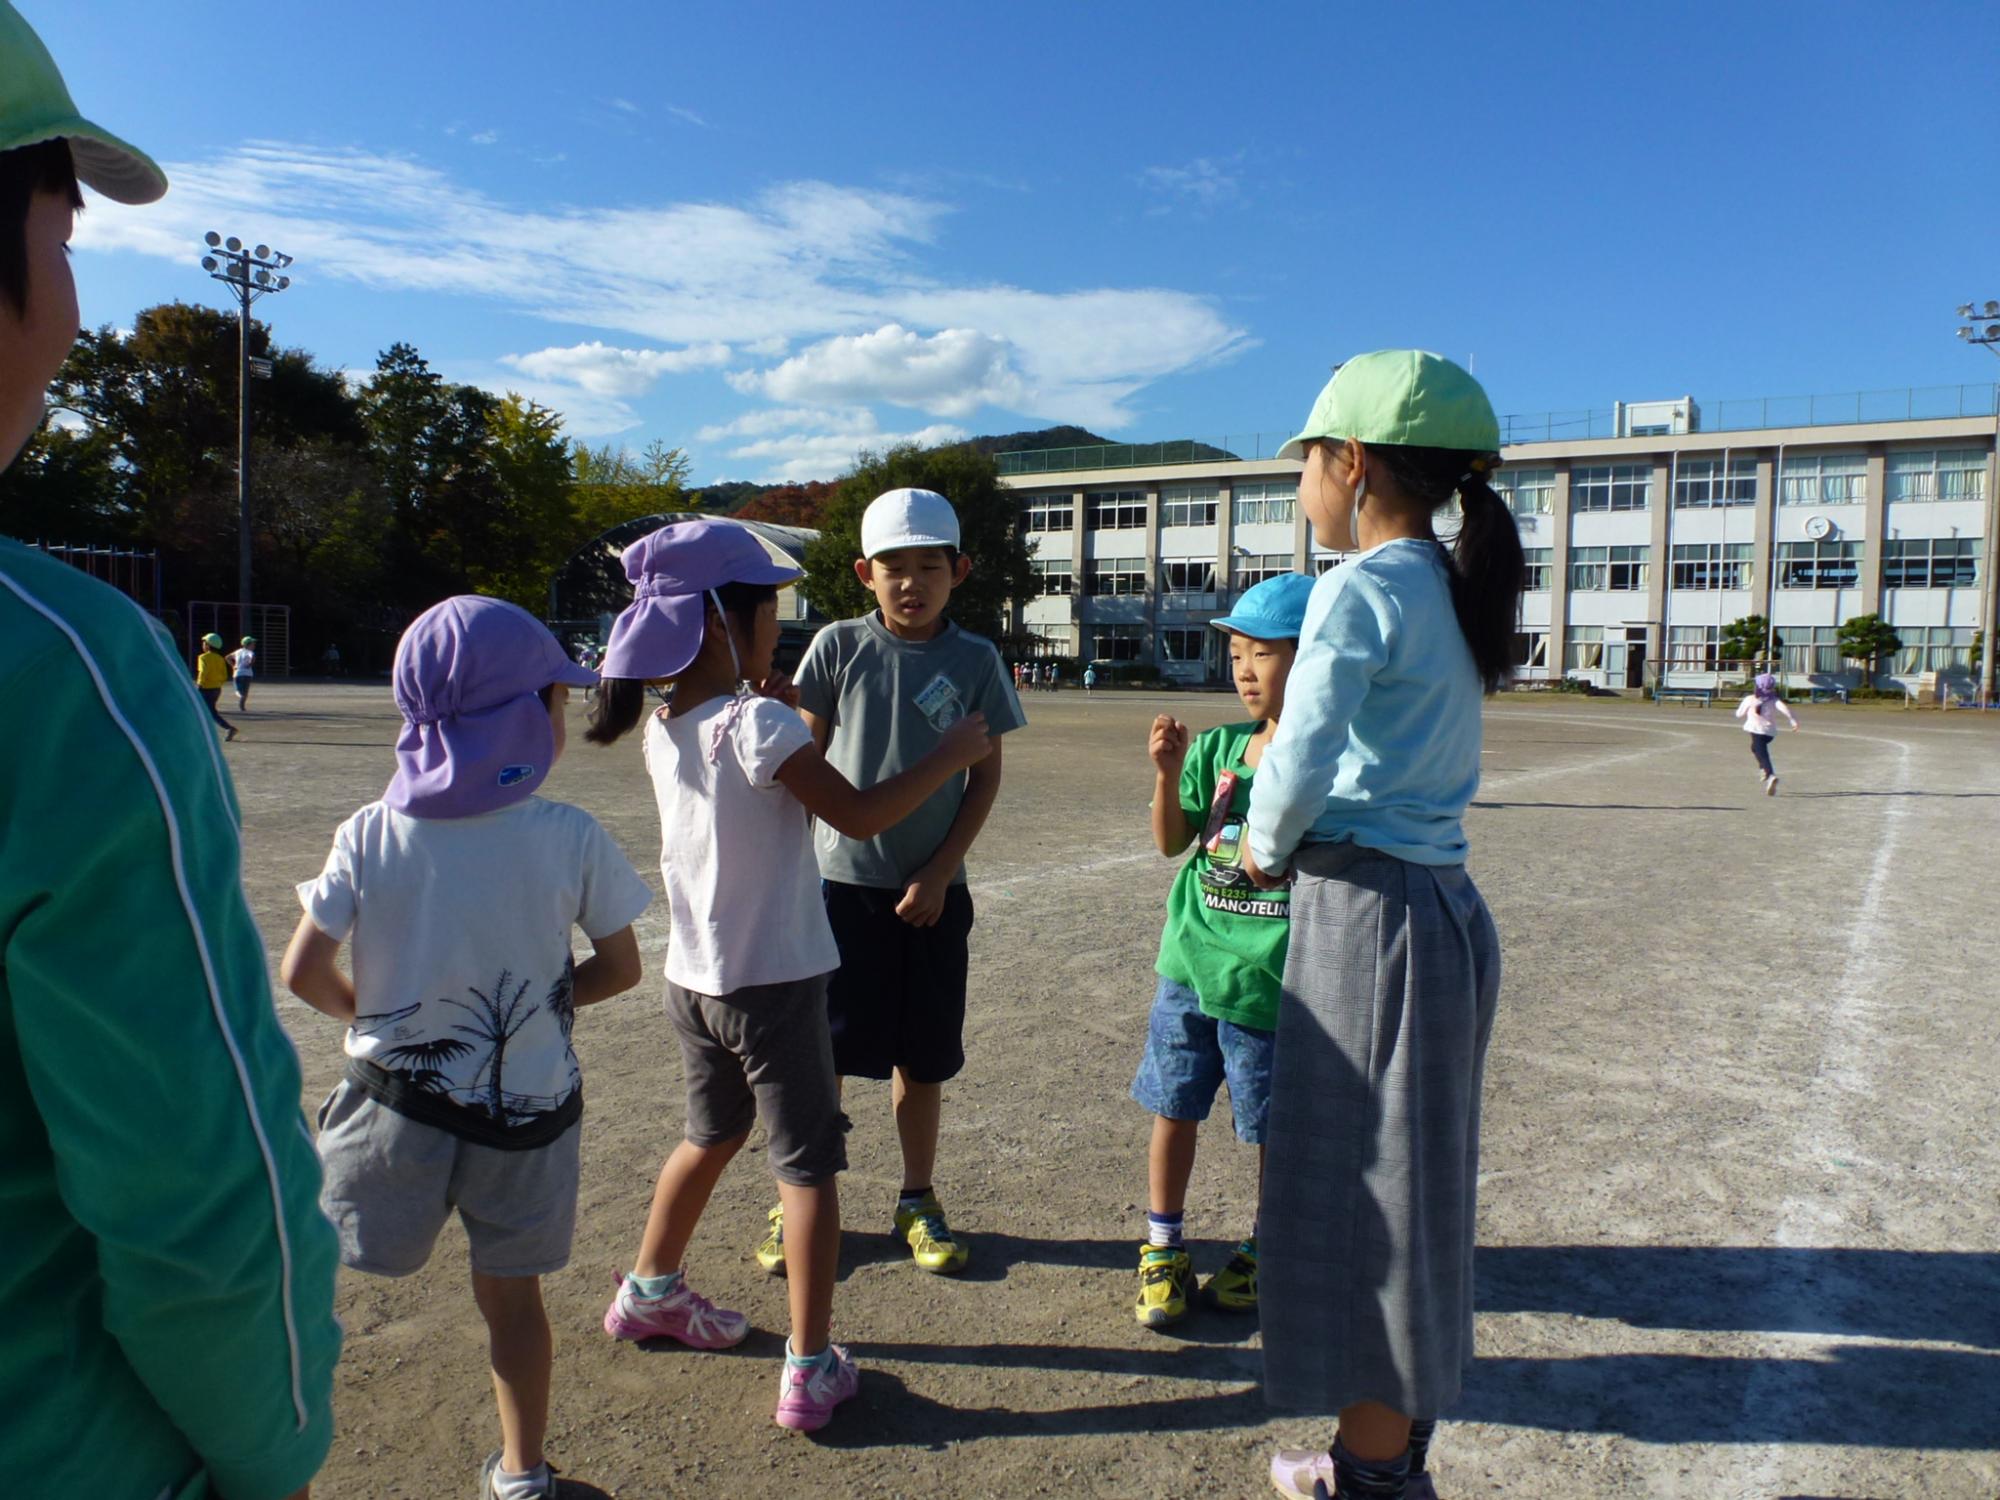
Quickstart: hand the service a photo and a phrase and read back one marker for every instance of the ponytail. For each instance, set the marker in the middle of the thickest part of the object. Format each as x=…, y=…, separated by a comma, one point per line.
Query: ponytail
x=1488, y=568
x=615, y=710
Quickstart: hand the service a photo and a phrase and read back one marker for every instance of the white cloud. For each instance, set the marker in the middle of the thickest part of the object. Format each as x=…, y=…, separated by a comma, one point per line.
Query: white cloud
x=624, y=106
x=688, y=115
x=949, y=374
x=794, y=446
x=484, y=138
x=837, y=270
x=1203, y=182
x=606, y=370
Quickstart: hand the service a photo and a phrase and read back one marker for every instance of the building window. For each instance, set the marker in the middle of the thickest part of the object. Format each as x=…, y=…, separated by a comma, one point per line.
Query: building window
x=1325, y=562
x=1810, y=648
x=1537, y=561
x=1188, y=505
x=1693, y=648
x=1528, y=492
x=1949, y=474
x=1116, y=642
x=1819, y=565
x=1611, y=487
x=1712, y=565
x=1115, y=510
x=1255, y=567
x=1823, y=479
x=1274, y=501
x=1623, y=568
x=1700, y=483
x=1583, y=648
x=1053, y=640
x=1936, y=562
x=1118, y=575
x=1183, y=642
x=1052, y=575
x=1933, y=648
x=1531, y=651
x=1050, y=513
x=1188, y=575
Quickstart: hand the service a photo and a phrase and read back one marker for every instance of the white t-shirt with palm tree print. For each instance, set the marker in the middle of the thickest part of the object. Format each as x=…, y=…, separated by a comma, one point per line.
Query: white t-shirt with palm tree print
x=460, y=931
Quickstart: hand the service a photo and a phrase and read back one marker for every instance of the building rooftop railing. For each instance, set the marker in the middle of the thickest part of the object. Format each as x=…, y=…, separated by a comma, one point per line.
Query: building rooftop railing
x=1910, y=404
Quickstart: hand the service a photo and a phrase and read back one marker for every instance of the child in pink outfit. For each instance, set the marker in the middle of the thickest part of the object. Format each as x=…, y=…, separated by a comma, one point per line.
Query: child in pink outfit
x=1758, y=711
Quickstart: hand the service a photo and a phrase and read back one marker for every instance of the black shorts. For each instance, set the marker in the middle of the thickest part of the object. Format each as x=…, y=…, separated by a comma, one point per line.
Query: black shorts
x=898, y=998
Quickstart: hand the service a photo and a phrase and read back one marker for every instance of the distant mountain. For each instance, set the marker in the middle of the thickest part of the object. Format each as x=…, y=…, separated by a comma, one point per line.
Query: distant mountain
x=1047, y=437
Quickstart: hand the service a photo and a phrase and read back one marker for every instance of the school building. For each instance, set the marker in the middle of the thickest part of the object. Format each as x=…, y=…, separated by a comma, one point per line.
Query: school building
x=1647, y=527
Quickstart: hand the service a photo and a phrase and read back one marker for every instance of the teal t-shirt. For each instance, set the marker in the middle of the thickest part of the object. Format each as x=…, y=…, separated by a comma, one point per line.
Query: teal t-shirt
x=1224, y=938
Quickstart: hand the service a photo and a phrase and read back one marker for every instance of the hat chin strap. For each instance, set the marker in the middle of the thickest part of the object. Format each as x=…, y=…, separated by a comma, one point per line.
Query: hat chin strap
x=729, y=638
x=741, y=694
x=1354, y=513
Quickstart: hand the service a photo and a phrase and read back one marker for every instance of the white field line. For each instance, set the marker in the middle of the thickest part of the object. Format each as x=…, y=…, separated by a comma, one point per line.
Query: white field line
x=1814, y=1215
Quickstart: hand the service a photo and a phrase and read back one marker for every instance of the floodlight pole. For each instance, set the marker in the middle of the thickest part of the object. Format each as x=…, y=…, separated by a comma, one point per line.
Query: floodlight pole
x=249, y=274
x=1972, y=333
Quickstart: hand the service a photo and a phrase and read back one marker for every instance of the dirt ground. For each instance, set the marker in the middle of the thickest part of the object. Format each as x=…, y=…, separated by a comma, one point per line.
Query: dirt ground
x=1739, y=1230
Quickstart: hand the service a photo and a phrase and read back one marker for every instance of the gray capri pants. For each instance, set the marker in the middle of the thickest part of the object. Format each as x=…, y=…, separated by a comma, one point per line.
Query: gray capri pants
x=764, y=1052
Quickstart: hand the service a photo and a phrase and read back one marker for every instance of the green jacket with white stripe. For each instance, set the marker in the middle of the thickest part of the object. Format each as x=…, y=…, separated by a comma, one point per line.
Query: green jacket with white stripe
x=166, y=1277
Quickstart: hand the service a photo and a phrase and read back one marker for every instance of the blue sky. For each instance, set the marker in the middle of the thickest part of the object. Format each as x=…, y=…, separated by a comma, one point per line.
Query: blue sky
x=774, y=234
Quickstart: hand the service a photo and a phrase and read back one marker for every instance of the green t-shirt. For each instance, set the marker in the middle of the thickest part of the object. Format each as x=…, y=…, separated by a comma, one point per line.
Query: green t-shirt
x=1224, y=938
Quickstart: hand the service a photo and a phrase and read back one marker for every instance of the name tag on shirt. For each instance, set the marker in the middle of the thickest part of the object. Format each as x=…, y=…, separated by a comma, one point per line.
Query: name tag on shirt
x=938, y=701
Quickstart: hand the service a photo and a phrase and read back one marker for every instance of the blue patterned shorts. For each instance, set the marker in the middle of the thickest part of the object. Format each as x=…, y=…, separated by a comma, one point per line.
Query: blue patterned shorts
x=1189, y=1055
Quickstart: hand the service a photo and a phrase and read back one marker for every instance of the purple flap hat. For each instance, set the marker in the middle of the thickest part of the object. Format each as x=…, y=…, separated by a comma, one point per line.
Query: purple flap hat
x=476, y=737
x=1766, y=685
x=672, y=571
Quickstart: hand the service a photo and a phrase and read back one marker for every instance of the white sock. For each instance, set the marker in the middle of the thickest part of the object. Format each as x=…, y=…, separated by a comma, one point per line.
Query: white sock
x=533, y=1485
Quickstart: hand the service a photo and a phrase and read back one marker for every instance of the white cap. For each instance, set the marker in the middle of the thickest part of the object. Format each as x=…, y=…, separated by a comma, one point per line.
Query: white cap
x=908, y=518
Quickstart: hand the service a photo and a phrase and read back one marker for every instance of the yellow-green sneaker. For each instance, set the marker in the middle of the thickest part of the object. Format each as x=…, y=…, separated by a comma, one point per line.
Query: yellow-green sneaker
x=771, y=1254
x=1165, y=1275
x=1234, y=1288
x=921, y=1226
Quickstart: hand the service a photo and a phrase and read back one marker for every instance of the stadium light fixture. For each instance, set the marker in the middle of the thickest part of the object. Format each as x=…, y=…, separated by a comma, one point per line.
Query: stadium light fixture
x=249, y=274
x=1989, y=603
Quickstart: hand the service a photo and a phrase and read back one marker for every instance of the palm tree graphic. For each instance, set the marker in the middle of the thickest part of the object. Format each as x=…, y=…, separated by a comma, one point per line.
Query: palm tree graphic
x=561, y=998
x=429, y=1060
x=496, y=1019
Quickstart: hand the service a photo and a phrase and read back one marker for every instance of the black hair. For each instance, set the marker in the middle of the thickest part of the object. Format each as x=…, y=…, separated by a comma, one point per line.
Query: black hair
x=1487, y=569
x=45, y=167
x=621, y=701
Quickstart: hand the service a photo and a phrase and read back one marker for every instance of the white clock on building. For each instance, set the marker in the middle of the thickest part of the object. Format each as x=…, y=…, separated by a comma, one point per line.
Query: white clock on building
x=1819, y=528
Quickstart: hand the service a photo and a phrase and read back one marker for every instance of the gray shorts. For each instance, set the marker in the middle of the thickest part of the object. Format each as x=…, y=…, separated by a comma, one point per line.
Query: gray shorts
x=763, y=1052
x=391, y=1182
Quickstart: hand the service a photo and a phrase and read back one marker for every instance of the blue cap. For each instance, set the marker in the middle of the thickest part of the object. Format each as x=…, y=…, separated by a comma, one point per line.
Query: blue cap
x=1273, y=610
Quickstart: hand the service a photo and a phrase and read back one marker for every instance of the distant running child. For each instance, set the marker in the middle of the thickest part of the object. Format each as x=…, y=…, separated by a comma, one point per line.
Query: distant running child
x=738, y=778
x=1222, y=952
x=1758, y=712
x=243, y=667
x=1392, y=974
x=880, y=693
x=211, y=675
x=458, y=890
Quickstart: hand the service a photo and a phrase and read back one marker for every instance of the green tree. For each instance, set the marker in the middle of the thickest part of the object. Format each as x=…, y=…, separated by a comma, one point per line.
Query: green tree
x=1867, y=639
x=989, y=519
x=1746, y=639
x=613, y=485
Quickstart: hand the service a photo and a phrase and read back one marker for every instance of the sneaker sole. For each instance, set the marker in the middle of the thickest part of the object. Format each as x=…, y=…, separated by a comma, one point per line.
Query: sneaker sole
x=812, y=1420
x=1158, y=1317
x=1234, y=1309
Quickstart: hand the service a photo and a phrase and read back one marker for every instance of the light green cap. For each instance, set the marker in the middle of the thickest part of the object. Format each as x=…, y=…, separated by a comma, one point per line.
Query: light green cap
x=35, y=106
x=1403, y=398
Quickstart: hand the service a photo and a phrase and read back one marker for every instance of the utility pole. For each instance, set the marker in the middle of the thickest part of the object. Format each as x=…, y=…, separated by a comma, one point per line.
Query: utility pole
x=1989, y=596
x=249, y=274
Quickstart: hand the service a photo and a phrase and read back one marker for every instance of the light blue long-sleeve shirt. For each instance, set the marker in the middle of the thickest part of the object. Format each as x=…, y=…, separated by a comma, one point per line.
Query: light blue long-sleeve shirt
x=1379, y=739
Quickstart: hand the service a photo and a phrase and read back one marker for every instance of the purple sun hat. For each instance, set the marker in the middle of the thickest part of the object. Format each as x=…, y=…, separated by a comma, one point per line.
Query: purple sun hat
x=476, y=737
x=672, y=571
x=1766, y=685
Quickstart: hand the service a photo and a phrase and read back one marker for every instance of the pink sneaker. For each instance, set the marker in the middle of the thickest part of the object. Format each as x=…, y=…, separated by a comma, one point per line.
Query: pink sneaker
x=1296, y=1473
x=806, y=1398
x=683, y=1315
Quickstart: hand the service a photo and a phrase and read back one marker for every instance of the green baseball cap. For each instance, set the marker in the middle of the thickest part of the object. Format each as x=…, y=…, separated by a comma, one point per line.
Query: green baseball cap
x=1404, y=398
x=35, y=106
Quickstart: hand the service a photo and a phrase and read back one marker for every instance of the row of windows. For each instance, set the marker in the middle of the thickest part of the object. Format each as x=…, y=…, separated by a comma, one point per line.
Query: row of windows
x=1698, y=483
x=1920, y=563
x=1804, y=649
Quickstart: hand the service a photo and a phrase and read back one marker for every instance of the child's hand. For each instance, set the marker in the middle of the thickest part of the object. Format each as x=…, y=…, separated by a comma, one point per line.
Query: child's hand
x=781, y=687
x=1258, y=878
x=966, y=743
x=923, y=898
x=1167, y=744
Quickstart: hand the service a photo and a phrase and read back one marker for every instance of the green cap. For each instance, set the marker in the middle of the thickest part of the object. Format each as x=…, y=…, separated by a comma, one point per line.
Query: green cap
x=212, y=639
x=35, y=106
x=1403, y=398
